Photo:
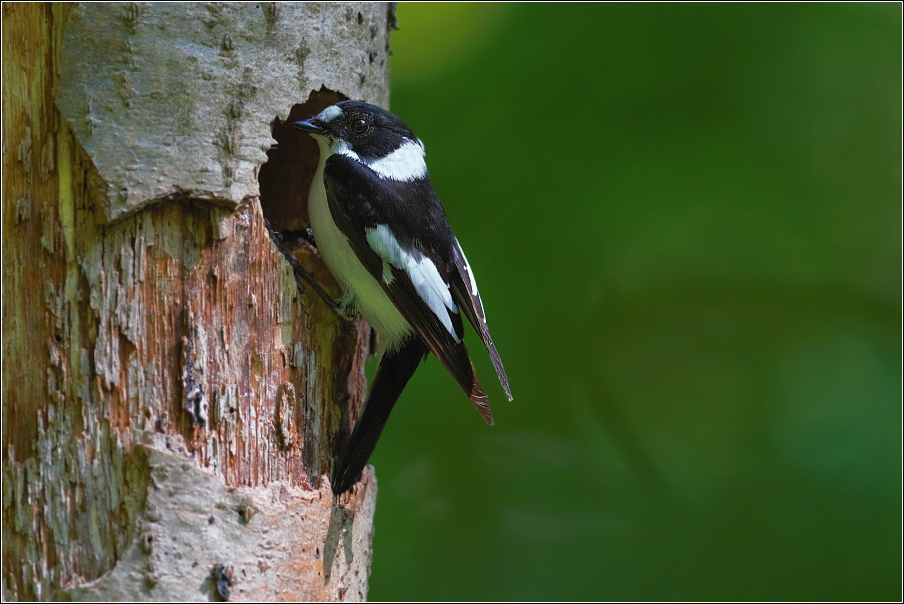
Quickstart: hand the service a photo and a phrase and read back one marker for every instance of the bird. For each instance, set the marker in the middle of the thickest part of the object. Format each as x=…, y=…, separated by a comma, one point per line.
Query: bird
x=384, y=235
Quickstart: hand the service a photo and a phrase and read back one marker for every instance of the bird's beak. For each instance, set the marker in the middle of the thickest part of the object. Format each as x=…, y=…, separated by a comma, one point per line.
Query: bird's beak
x=312, y=125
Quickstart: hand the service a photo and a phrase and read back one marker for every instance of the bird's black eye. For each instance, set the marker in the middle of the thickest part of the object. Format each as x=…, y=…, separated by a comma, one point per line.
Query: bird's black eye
x=359, y=126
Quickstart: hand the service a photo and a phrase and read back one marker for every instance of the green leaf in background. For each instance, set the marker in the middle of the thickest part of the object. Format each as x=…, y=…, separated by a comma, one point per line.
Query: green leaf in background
x=685, y=220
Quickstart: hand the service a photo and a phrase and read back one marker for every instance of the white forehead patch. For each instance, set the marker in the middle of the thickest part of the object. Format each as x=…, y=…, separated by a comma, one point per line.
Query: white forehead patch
x=330, y=113
x=423, y=274
x=405, y=163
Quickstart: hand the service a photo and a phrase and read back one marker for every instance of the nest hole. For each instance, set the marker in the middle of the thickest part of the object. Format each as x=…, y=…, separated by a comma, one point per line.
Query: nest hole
x=285, y=177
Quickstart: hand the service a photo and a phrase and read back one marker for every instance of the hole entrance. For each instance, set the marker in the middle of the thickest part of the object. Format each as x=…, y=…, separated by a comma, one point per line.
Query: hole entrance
x=285, y=177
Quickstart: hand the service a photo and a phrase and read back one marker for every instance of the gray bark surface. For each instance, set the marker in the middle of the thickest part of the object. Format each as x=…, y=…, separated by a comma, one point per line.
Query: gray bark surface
x=174, y=98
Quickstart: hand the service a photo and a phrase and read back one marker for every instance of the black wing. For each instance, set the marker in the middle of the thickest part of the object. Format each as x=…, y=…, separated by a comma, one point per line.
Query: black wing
x=359, y=201
x=464, y=290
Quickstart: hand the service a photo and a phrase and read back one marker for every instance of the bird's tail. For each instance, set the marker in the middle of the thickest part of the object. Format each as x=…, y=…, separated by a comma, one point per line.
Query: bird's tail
x=395, y=369
x=457, y=362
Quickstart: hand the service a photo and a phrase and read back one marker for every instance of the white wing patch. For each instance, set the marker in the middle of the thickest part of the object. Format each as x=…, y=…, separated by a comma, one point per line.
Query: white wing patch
x=423, y=274
x=405, y=163
x=472, y=287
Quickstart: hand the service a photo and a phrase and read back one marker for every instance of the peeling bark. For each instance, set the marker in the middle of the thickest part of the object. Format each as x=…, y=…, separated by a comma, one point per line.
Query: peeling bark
x=170, y=400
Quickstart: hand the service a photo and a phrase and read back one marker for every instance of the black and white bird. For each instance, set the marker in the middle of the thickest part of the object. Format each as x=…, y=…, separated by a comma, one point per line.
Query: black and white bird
x=383, y=234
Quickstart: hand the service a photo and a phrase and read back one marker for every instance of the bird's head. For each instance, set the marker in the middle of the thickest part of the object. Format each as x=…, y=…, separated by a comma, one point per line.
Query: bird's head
x=370, y=135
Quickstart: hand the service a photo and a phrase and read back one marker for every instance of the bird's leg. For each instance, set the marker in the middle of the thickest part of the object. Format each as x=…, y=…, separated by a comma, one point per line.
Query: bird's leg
x=302, y=276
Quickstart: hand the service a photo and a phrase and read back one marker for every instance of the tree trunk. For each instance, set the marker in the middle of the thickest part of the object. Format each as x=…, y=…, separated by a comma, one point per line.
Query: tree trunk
x=170, y=400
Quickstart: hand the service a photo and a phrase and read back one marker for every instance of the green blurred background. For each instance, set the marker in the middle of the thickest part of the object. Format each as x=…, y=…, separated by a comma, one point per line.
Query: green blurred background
x=685, y=221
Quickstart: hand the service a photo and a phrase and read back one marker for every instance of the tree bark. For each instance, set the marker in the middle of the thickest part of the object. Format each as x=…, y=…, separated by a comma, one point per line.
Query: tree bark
x=170, y=400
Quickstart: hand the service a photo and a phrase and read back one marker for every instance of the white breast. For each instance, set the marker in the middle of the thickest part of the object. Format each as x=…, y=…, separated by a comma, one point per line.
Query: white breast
x=362, y=292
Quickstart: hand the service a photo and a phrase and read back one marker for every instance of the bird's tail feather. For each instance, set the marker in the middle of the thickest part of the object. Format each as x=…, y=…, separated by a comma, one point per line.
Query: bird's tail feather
x=481, y=401
x=457, y=362
x=395, y=369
